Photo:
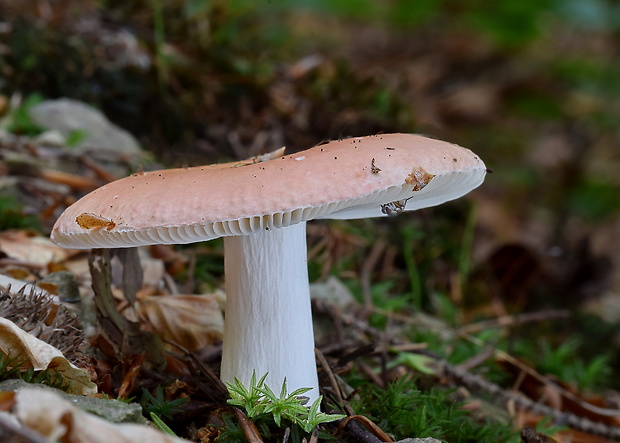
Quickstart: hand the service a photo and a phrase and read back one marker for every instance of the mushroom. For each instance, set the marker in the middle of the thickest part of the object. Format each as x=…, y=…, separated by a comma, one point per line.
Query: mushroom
x=261, y=210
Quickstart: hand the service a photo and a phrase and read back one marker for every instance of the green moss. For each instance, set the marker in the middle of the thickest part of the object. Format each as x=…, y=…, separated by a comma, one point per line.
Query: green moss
x=404, y=410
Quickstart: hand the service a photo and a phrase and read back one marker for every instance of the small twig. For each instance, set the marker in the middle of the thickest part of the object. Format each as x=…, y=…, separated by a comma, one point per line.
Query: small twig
x=74, y=181
x=338, y=346
x=384, y=345
x=370, y=374
x=369, y=264
x=190, y=283
x=170, y=284
x=332, y=381
x=356, y=353
x=545, y=380
x=100, y=172
x=352, y=425
x=477, y=359
x=408, y=347
x=505, y=356
x=314, y=437
x=399, y=317
x=287, y=434
x=529, y=435
x=248, y=427
x=334, y=312
x=514, y=320
x=476, y=382
x=220, y=387
x=363, y=326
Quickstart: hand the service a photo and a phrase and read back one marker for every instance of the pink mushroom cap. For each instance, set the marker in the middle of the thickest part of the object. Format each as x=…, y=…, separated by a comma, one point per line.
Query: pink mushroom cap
x=350, y=178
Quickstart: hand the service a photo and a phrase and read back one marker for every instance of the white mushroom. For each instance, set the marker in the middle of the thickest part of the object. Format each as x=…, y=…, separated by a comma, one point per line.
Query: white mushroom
x=261, y=210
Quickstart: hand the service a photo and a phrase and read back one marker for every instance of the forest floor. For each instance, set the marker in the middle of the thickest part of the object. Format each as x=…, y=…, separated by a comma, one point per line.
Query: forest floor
x=492, y=318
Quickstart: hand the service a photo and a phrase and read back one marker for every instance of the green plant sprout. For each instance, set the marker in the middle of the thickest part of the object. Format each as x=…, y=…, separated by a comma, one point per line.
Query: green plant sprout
x=159, y=424
x=158, y=405
x=259, y=399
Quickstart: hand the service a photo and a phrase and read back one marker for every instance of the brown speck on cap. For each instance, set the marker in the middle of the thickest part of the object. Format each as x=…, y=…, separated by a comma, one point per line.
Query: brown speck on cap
x=374, y=168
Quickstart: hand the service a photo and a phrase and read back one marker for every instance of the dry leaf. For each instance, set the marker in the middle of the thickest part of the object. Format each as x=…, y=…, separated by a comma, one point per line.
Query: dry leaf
x=58, y=420
x=191, y=321
x=16, y=342
x=25, y=247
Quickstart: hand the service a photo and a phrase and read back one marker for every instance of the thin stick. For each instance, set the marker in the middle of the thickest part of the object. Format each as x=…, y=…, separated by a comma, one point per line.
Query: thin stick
x=332, y=381
x=369, y=264
x=545, y=380
x=248, y=427
x=513, y=320
x=375, y=430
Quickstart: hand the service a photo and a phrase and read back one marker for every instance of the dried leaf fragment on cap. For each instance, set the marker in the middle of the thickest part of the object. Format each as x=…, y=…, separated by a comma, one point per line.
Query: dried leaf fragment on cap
x=419, y=178
x=93, y=221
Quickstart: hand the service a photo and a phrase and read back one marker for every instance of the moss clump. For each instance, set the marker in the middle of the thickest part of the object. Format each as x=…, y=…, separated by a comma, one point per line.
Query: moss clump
x=406, y=411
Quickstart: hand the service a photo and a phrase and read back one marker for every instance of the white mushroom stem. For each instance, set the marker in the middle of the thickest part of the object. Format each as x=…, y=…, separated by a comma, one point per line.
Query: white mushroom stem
x=268, y=320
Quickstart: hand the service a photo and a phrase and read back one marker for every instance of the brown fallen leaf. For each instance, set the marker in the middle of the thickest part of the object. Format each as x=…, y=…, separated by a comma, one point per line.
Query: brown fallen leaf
x=190, y=321
x=26, y=247
x=40, y=356
x=129, y=380
x=58, y=420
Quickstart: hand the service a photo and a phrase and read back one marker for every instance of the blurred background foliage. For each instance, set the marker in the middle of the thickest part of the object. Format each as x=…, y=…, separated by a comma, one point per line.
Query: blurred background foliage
x=531, y=86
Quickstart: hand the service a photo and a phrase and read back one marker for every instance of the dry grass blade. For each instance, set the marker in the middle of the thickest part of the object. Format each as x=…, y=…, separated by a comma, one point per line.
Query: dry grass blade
x=332, y=380
x=514, y=320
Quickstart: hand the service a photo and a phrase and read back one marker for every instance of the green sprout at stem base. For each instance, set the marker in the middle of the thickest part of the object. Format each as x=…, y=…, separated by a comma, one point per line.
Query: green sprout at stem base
x=259, y=399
